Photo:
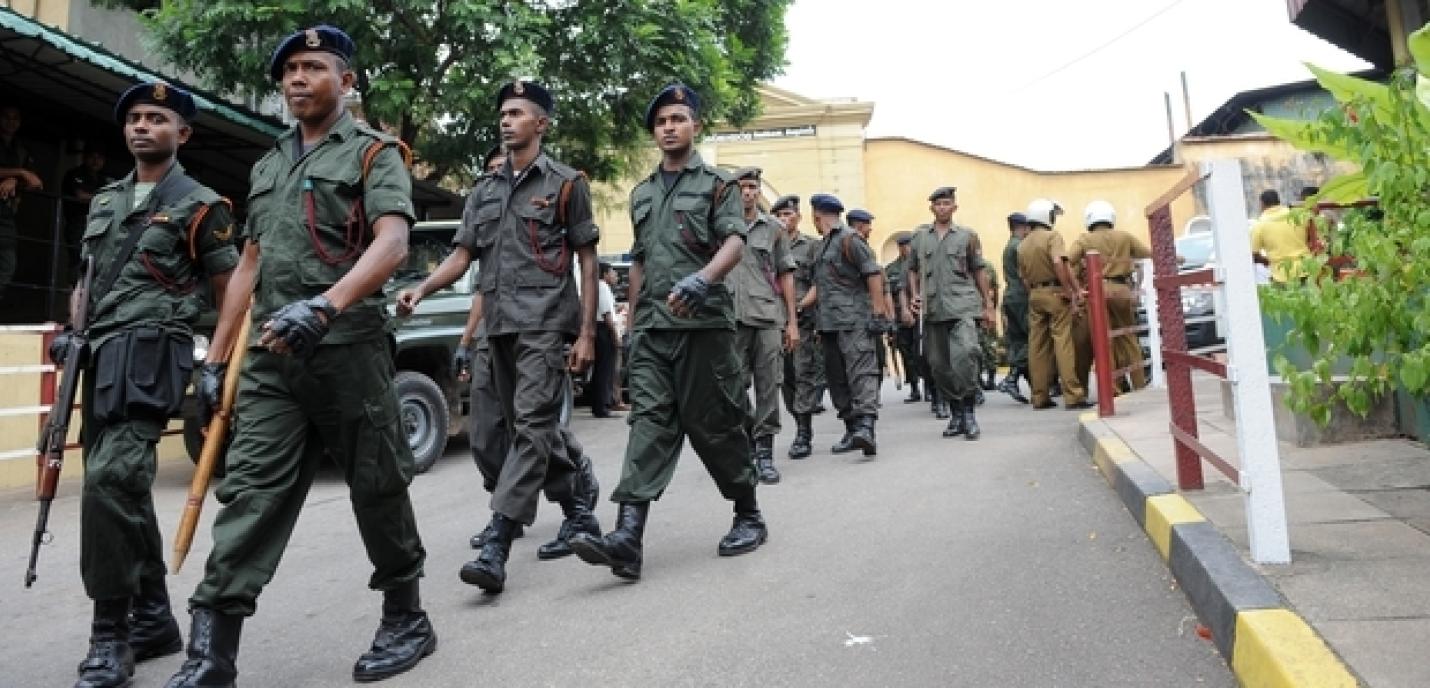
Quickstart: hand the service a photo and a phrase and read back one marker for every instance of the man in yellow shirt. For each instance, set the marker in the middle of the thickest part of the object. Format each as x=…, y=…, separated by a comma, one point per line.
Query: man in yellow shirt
x=1277, y=240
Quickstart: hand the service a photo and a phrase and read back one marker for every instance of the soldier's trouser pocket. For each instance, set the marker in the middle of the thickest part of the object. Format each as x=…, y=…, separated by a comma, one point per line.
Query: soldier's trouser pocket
x=382, y=461
x=141, y=373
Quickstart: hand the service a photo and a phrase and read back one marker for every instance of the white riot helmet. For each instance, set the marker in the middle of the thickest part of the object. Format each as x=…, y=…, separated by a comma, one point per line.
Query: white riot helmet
x=1043, y=212
x=1099, y=212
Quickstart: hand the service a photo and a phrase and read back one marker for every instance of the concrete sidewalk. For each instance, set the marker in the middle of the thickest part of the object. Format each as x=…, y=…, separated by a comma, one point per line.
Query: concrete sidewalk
x=1359, y=521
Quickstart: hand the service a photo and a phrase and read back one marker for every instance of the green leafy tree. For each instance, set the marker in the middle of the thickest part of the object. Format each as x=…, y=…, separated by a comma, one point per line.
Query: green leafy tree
x=429, y=69
x=1373, y=323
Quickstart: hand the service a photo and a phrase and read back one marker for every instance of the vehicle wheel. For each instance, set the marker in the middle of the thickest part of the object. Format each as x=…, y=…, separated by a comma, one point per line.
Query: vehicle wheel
x=194, y=443
x=424, y=415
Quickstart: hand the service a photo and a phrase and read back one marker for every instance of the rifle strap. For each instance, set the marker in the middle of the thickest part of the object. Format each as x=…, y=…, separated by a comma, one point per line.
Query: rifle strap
x=172, y=189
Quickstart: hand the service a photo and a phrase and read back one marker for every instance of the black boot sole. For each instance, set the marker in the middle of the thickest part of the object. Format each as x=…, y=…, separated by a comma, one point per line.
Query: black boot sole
x=369, y=677
x=952, y=434
x=869, y=447
x=801, y=455
x=744, y=549
x=769, y=480
x=551, y=551
x=596, y=556
x=483, y=579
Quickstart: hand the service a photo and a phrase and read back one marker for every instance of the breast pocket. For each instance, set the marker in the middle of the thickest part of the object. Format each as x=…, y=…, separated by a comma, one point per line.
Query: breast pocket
x=336, y=191
x=547, y=245
x=95, y=228
x=955, y=254
x=692, y=222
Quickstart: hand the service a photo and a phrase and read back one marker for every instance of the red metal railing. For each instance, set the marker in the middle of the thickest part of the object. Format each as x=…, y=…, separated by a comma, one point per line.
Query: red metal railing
x=1102, y=337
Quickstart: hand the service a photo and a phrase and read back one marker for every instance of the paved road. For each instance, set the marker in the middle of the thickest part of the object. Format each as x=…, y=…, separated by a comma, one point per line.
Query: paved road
x=1005, y=562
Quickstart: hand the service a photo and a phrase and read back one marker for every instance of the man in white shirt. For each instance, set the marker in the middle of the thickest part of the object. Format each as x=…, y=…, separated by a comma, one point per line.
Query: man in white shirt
x=607, y=340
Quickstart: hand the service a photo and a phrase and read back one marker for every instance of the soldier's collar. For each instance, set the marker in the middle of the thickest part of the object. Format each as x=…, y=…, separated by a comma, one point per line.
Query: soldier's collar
x=343, y=129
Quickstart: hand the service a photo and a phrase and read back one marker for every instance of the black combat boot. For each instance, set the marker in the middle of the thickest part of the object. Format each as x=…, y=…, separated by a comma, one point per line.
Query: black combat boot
x=578, y=519
x=481, y=537
x=978, y=397
x=153, y=632
x=956, y=421
x=110, y=662
x=933, y=399
x=803, y=437
x=488, y=570
x=971, y=430
x=765, y=460
x=1055, y=390
x=863, y=436
x=914, y=396
x=620, y=549
x=845, y=443
x=404, y=636
x=748, y=531
x=213, y=651
x=1010, y=387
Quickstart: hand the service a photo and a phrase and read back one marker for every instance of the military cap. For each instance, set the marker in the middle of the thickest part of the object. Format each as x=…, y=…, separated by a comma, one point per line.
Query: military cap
x=905, y=239
x=157, y=93
x=859, y=215
x=748, y=173
x=677, y=93
x=826, y=203
x=790, y=202
x=942, y=192
x=1016, y=219
x=527, y=90
x=493, y=152
x=323, y=38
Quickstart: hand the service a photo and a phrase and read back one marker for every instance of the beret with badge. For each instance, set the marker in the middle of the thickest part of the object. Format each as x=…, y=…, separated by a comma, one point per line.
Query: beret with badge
x=787, y=202
x=529, y=91
x=157, y=93
x=322, y=38
x=826, y=203
x=942, y=192
x=676, y=94
x=859, y=215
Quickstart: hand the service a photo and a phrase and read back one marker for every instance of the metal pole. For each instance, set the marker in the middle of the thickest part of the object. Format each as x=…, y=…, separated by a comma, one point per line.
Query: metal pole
x=1187, y=102
x=1183, y=404
x=1171, y=128
x=1101, y=347
x=1158, y=378
x=1246, y=368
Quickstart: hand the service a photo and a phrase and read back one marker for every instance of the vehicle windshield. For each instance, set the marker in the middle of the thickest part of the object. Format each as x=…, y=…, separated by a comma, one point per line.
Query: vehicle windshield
x=427, y=246
x=1195, y=251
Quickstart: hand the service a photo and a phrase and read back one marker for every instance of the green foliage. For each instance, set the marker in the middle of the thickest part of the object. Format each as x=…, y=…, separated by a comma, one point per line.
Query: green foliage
x=1372, y=325
x=430, y=69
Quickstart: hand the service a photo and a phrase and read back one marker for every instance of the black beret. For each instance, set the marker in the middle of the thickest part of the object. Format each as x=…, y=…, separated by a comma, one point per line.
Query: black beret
x=1015, y=219
x=826, y=203
x=527, y=90
x=859, y=215
x=324, y=38
x=493, y=152
x=748, y=173
x=906, y=239
x=790, y=202
x=161, y=94
x=675, y=93
x=942, y=192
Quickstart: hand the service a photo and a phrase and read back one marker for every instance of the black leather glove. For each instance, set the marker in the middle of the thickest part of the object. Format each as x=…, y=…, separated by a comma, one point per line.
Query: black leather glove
x=691, y=291
x=209, y=390
x=60, y=347
x=461, y=360
x=806, y=319
x=299, y=325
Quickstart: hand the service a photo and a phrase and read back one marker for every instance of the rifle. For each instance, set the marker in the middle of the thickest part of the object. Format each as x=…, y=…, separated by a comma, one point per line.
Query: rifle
x=51, y=449
x=214, y=443
x=894, y=362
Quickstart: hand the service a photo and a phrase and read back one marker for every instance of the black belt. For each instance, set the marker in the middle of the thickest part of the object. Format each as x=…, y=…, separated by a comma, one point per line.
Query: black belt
x=1124, y=279
x=1040, y=285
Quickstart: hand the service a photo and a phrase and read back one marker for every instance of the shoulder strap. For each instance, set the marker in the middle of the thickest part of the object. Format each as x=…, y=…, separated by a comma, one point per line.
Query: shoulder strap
x=369, y=157
x=198, y=221
x=844, y=248
x=720, y=185
x=564, y=198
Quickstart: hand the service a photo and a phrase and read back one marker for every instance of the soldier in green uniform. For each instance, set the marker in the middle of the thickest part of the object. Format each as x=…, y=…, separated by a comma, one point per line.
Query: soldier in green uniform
x=862, y=222
x=1054, y=298
x=852, y=313
x=907, y=336
x=1015, y=311
x=684, y=367
x=525, y=223
x=949, y=284
x=804, y=367
x=988, y=338
x=763, y=287
x=325, y=231
x=153, y=237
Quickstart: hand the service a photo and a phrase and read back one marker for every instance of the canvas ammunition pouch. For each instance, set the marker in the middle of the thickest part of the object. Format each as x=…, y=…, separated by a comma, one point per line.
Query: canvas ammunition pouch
x=141, y=373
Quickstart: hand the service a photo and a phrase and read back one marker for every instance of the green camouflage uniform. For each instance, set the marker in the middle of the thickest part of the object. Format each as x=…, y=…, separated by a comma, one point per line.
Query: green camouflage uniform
x=340, y=402
x=156, y=290
x=684, y=372
x=988, y=336
x=952, y=308
x=760, y=316
x=1015, y=308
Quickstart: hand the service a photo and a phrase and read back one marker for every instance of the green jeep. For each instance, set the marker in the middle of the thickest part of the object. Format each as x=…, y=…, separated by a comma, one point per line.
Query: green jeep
x=434, y=406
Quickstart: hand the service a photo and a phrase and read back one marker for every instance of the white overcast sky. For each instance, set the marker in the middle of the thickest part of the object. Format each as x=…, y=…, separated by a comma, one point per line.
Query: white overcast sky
x=974, y=76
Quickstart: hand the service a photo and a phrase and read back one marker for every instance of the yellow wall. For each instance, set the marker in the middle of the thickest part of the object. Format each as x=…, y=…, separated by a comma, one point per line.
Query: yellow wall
x=49, y=12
